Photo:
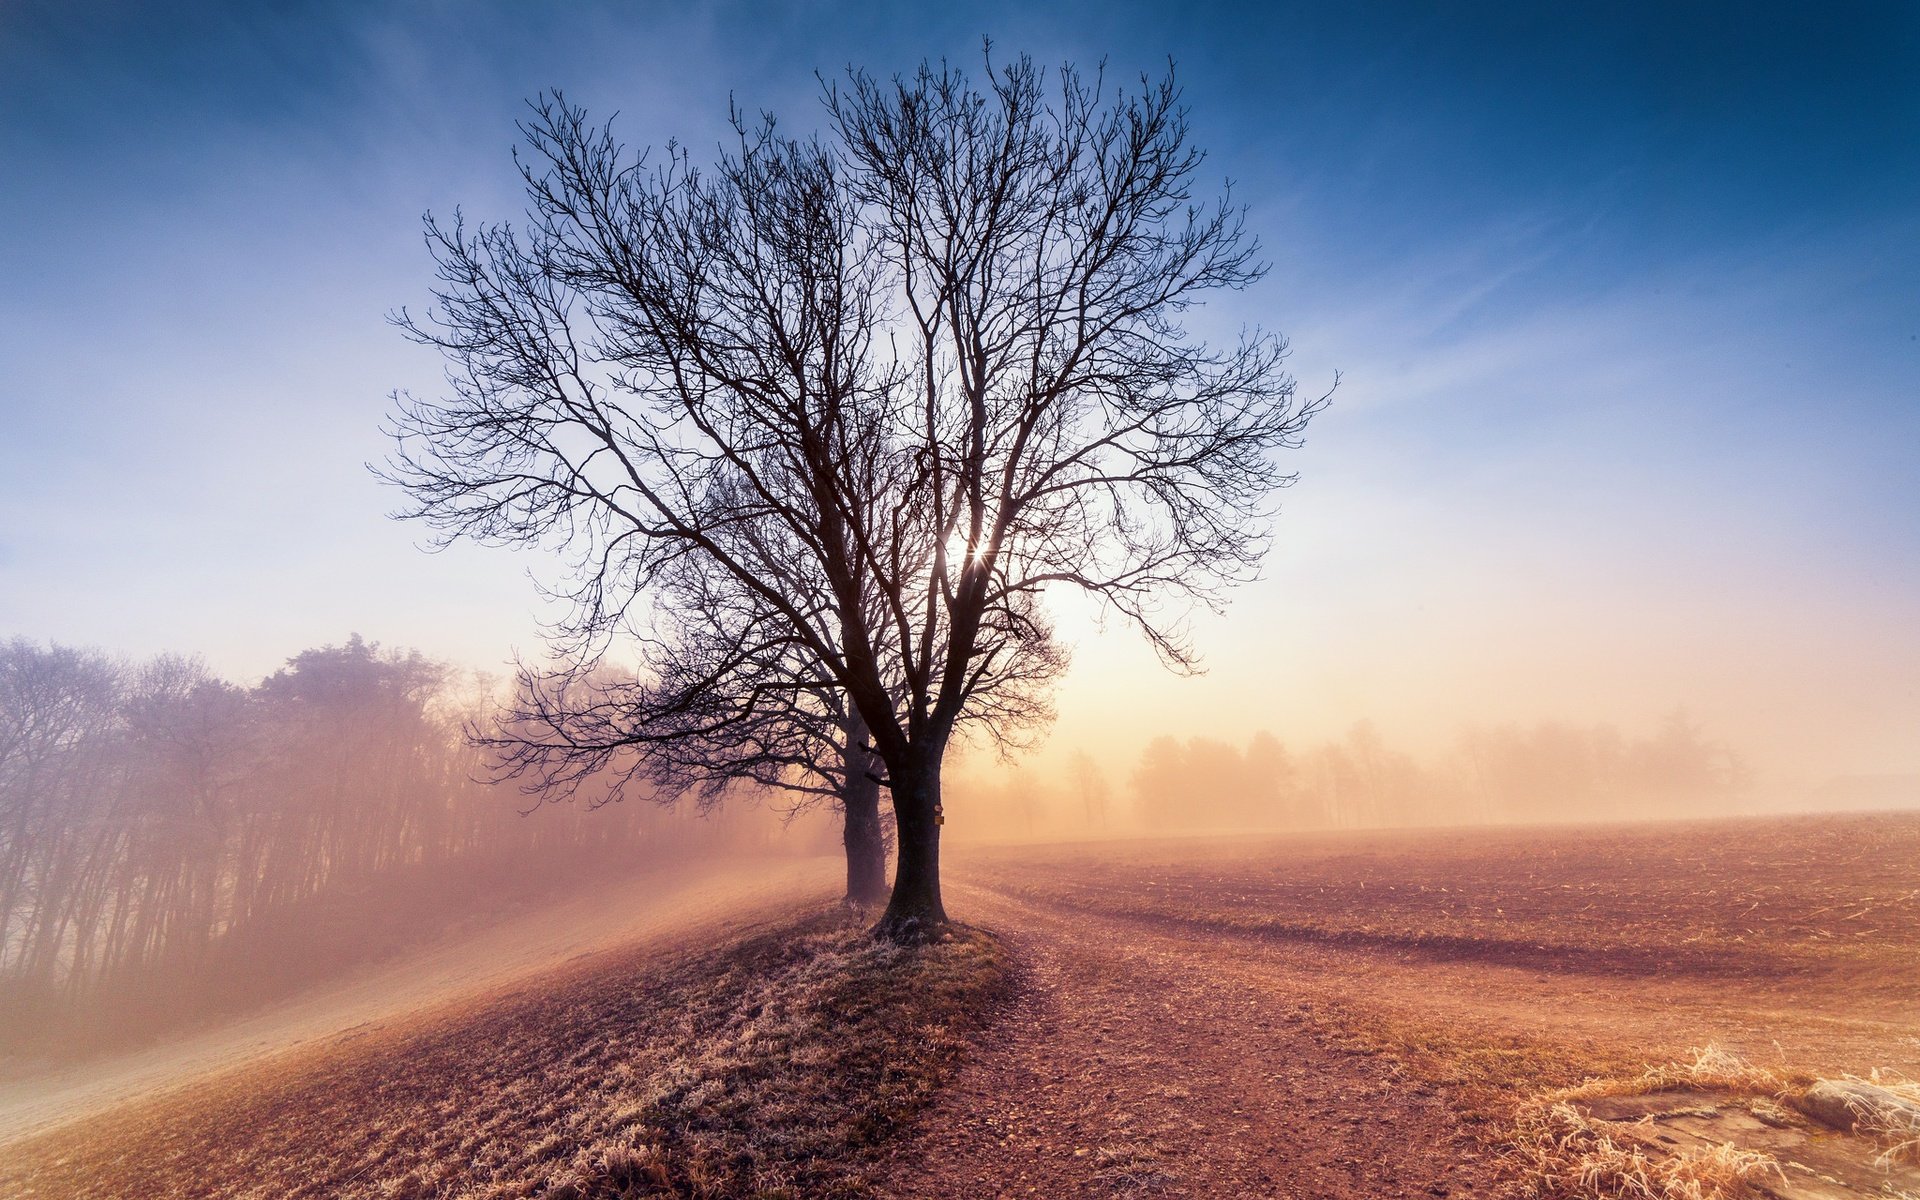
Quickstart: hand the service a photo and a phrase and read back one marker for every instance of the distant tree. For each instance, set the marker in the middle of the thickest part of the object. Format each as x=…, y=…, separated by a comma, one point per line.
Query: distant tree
x=675, y=732
x=1216, y=783
x=60, y=734
x=1205, y=783
x=1160, y=784
x=1679, y=763
x=1272, y=789
x=1027, y=800
x=893, y=386
x=1090, y=784
x=1520, y=773
x=156, y=820
x=1555, y=770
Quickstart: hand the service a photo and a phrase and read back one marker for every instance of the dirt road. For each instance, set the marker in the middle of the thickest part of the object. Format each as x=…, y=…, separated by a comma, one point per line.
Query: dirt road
x=667, y=908
x=1196, y=1062
x=1143, y=1064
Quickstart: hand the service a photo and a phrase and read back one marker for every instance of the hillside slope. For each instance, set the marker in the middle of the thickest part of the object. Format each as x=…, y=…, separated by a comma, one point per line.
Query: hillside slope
x=693, y=905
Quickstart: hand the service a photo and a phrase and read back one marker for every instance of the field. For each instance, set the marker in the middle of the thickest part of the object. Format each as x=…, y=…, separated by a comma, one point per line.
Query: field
x=1376, y=1014
x=1420, y=1013
x=1817, y=906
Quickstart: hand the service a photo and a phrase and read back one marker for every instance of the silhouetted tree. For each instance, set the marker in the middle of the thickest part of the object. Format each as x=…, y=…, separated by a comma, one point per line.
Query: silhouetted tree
x=892, y=386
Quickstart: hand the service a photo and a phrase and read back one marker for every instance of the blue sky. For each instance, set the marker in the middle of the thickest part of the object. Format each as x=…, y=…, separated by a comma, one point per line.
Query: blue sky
x=1627, y=298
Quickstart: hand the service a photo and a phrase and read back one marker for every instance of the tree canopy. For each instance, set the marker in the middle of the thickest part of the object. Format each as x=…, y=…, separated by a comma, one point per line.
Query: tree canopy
x=857, y=401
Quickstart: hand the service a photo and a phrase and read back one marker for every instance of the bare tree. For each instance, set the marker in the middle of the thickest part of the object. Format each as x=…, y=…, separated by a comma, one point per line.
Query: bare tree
x=1091, y=784
x=892, y=386
x=712, y=708
x=726, y=696
x=1065, y=428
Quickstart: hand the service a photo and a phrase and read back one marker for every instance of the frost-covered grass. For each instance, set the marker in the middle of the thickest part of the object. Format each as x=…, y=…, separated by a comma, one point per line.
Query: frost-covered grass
x=775, y=1065
x=1561, y=1151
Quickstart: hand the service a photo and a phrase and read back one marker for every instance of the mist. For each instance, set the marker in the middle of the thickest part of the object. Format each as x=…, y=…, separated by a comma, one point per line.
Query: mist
x=1544, y=772
x=175, y=846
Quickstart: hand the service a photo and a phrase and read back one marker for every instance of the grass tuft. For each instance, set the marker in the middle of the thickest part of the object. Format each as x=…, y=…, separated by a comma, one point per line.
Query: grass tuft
x=1896, y=1129
x=1711, y=1069
x=1562, y=1153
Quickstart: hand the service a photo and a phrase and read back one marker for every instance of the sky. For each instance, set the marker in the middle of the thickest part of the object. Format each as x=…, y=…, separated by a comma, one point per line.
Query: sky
x=1625, y=299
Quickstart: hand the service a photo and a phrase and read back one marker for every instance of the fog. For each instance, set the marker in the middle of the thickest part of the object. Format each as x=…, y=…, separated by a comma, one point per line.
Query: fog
x=1533, y=773
x=175, y=846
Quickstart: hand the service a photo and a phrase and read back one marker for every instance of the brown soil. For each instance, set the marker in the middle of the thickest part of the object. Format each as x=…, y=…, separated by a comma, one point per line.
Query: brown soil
x=1196, y=1019
x=1137, y=1063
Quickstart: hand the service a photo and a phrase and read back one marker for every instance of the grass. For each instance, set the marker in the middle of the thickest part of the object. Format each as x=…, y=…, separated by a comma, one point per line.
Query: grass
x=778, y=1065
x=1900, y=1133
x=1711, y=1069
x=1559, y=1150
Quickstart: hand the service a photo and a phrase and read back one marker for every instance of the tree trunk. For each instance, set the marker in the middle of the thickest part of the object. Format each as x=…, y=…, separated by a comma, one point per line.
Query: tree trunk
x=860, y=800
x=915, y=913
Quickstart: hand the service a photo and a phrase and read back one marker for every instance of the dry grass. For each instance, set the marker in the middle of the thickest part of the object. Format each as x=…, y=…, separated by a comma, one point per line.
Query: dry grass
x=1767, y=1090
x=1560, y=1151
x=775, y=1066
x=1899, y=1132
x=1132, y=1168
x=1711, y=1069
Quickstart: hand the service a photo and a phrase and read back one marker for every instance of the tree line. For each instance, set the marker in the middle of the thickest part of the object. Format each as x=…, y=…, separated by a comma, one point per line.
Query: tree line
x=156, y=819
x=1546, y=771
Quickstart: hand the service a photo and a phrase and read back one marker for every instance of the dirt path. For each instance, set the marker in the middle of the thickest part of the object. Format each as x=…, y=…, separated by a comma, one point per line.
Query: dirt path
x=1186, y=1061
x=667, y=909
x=1113, y=1078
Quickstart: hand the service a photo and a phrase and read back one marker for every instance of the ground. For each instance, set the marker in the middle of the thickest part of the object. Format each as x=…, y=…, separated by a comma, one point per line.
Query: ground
x=1355, y=1015
x=662, y=910
x=1140, y=1062
x=773, y=1061
x=1358, y=1015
